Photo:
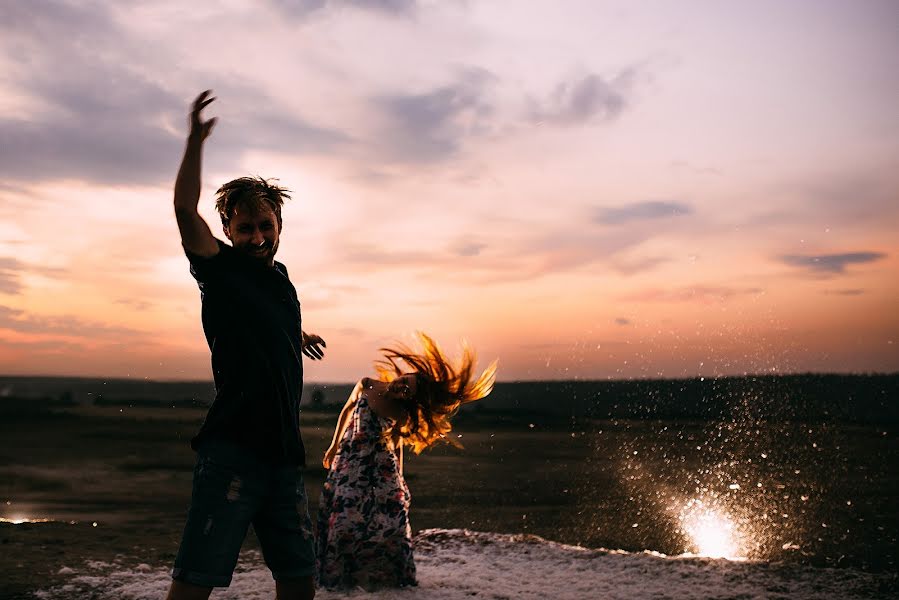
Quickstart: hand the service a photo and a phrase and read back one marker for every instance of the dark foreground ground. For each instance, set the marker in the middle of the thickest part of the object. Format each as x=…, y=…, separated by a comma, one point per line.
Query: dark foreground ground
x=824, y=494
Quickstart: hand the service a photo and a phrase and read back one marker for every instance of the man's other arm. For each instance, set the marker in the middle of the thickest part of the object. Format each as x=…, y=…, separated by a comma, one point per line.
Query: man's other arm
x=196, y=237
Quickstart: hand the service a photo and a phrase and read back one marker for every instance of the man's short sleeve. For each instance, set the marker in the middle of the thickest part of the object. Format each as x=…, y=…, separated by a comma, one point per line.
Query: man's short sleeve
x=205, y=269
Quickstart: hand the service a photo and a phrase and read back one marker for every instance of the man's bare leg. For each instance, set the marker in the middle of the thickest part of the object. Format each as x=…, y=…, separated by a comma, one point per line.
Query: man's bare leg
x=302, y=588
x=188, y=591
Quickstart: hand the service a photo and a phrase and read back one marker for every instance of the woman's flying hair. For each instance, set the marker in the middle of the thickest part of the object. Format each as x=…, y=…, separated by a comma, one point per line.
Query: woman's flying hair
x=441, y=389
x=252, y=193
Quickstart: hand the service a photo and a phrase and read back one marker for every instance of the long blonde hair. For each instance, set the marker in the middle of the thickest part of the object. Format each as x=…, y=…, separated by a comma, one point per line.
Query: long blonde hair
x=441, y=390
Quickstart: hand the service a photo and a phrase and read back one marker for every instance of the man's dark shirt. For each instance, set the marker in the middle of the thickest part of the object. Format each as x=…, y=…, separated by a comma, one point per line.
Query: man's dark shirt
x=251, y=318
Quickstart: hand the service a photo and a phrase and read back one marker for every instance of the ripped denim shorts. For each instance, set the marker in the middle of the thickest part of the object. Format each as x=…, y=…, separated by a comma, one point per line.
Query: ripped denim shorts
x=232, y=490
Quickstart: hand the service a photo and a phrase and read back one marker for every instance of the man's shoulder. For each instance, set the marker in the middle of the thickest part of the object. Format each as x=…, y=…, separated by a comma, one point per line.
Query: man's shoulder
x=224, y=251
x=209, y=268
x=281, y=268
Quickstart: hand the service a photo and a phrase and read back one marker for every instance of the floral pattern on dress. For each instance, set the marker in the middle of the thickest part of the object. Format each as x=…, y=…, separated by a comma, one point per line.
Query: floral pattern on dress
x=364, y=536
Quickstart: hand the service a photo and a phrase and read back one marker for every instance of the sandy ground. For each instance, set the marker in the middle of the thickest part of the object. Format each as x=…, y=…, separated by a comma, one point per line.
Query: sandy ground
x=460, y=564
x=828, y=498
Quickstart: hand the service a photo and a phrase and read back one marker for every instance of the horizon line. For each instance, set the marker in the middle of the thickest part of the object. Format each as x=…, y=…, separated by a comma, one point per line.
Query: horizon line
x=509, y=381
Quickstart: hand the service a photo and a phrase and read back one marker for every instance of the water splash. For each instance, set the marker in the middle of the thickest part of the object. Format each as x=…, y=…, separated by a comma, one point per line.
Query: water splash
x=711, y=531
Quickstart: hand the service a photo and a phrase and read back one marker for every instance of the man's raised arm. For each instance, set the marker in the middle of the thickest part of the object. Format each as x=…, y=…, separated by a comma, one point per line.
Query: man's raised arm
x=196, y=237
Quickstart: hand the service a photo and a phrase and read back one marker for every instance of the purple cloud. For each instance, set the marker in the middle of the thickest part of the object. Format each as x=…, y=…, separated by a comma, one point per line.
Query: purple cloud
x=641, y=211
x=591, y=97
x=833, y=264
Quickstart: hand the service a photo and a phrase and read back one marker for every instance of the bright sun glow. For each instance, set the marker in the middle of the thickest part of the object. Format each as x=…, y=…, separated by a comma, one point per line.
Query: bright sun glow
x=18, y=519
x=713, y=533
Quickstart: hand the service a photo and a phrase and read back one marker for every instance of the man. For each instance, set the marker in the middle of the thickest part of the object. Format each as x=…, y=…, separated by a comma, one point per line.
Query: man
x=249, y=448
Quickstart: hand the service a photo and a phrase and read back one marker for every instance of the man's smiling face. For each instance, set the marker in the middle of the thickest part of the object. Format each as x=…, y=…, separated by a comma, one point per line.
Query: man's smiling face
x=255, y=233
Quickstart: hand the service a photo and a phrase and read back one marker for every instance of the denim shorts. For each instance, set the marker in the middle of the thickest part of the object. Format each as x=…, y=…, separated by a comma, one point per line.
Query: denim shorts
x=231, y=490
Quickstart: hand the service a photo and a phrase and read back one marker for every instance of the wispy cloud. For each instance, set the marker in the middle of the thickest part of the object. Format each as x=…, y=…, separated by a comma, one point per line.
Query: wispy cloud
x=138, y=305
x=584, y=99
x=50, y=20
x=468, y=247
x=9, y=276
x=11, y=270
x=705, y=294
x=521, y=255
x=118, y=136
x=830, y=264
x=116, y=147
x=302, y=9
x=94, y=118
x=641, y=211
x=100, y=118
x=431, y=126
x=629, y=267
x=64, y=325
x=265, y=125
x=48, y=346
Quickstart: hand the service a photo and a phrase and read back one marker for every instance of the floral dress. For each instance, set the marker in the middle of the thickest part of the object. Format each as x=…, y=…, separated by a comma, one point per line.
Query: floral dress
x=364, y=536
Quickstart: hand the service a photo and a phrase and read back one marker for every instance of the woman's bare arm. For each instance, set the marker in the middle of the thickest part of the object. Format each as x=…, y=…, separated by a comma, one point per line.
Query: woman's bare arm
x=342, y=421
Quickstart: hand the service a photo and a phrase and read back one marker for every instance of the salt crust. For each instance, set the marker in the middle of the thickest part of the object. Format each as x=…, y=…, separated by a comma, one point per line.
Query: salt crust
x=455, y=564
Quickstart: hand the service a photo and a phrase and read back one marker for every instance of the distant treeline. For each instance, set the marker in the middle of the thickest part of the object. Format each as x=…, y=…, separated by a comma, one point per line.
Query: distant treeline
x=807, y=397
x=88, y=391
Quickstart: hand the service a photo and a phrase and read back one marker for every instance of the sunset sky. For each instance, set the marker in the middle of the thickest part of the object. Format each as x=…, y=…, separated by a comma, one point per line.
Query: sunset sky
x=581, y=189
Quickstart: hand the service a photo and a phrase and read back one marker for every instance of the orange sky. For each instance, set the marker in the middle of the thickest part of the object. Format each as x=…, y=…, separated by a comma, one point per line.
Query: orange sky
x=604, y=190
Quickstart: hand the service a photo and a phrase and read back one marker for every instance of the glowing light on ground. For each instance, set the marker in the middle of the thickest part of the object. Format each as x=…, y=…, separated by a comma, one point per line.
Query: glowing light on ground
x=18, y=520
x=712, y=532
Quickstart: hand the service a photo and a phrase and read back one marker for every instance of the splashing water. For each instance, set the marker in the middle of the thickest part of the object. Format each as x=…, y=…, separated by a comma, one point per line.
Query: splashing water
x=712, y=532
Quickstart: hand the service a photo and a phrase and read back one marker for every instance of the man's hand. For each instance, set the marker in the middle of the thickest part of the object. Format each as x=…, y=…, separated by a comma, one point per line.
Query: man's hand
x=311, y=343
x=200, y=129
x=196, y=237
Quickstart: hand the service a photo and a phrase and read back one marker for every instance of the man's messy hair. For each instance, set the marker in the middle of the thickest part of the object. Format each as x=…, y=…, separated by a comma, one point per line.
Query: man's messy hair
x=250, y=193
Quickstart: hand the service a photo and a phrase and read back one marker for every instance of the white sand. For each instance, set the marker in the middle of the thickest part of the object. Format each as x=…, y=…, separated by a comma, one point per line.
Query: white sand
x=456, y=564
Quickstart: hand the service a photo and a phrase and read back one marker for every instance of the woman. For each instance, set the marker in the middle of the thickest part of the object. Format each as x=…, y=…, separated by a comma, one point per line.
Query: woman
x=364, y=535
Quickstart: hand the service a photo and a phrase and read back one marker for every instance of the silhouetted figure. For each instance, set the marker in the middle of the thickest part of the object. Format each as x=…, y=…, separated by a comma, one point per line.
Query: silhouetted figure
x=249, y=448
